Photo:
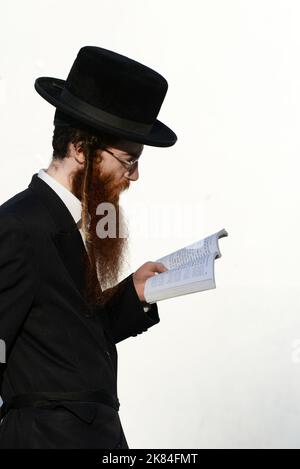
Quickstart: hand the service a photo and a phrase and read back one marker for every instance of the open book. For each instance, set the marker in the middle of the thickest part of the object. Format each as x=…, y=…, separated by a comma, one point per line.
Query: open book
x=190, y=269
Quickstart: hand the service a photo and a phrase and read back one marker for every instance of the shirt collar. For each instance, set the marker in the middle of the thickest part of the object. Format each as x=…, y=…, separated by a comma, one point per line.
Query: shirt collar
x=70, y=200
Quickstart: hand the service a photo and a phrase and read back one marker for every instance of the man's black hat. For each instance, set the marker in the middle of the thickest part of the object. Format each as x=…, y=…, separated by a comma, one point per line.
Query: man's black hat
x=110, y=92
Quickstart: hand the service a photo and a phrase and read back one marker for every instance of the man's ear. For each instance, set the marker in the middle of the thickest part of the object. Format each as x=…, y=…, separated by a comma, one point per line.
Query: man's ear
x=77, y=152
x=77, y=147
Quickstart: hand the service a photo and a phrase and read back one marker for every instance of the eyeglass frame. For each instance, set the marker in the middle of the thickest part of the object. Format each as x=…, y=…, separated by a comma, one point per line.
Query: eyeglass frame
x=127, y=164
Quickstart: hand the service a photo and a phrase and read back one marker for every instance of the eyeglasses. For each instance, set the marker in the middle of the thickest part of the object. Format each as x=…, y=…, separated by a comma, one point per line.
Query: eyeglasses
x=129, y=165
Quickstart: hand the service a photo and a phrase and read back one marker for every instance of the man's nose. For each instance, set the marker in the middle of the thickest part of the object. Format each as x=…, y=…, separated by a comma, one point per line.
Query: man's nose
x=134, y=175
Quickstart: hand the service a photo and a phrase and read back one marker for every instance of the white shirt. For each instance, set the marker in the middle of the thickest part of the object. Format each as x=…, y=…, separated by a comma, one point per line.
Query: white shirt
x=70, y=200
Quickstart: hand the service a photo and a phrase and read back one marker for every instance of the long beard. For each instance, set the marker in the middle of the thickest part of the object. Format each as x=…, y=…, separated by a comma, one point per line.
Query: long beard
x=106, y=255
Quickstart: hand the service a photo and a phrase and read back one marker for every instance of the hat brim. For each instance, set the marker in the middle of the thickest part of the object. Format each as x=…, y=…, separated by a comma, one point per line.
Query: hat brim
x=50, y=89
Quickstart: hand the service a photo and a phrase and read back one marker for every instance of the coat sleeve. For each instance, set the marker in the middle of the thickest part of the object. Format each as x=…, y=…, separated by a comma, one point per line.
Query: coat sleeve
x=124, y=314
x=17, y=278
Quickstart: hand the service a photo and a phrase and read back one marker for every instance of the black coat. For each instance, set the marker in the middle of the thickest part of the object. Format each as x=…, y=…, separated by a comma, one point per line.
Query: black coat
x=54, y=341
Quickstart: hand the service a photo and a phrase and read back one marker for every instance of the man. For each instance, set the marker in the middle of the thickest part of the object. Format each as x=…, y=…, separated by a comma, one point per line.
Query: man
x=61, y=311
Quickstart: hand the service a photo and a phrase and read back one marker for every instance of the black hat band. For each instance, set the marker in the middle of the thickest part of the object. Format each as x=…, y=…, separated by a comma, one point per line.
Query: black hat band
x=110, y=119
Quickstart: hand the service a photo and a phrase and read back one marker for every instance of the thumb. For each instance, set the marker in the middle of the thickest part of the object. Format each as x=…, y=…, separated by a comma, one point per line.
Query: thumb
x=159, y=267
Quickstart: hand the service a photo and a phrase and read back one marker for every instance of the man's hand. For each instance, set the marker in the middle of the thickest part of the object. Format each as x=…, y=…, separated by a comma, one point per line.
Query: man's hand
x=146, y=271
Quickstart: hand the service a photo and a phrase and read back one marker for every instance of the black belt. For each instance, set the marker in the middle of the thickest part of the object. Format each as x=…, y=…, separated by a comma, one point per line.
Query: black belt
x=42, y=399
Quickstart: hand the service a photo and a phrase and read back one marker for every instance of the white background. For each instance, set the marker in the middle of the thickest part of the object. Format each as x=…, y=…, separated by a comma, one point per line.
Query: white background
x=222, y=368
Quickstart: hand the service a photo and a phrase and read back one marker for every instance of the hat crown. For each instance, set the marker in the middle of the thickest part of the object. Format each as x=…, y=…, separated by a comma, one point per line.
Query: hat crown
x=110, y=92
x=117, y=84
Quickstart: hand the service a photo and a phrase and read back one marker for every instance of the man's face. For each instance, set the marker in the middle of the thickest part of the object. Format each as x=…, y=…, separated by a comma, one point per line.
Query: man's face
x=125, y=151
x=109, y=178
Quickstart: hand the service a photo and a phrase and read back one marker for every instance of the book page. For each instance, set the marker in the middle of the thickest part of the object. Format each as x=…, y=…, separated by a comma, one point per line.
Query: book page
x=193, y=253
x=193, y=272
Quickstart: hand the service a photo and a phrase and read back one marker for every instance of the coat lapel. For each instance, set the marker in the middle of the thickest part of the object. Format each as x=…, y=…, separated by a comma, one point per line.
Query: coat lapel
x=68, y=242
x=72, y=252
x=64, y=232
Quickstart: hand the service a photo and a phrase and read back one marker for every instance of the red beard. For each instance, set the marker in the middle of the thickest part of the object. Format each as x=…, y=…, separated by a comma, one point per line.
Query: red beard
x=107, y=254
